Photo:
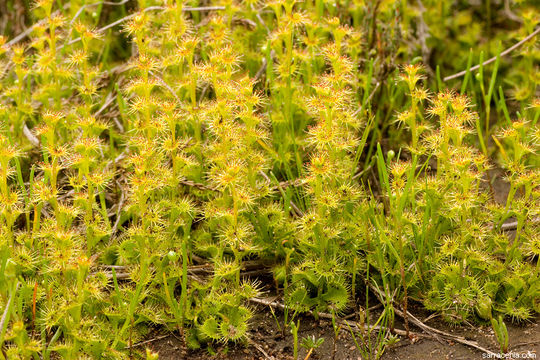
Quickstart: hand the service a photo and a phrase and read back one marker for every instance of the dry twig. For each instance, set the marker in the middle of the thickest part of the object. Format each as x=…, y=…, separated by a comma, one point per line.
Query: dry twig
x=31, y=137
x=118, y=210
x=29, y=30
x=510, y=14
x=148, y=341
x=293, y=205
x=489, y=61
x=428, y=329
x=264, y=64
x=351, y=324
x=8, y=306
x=261, y=350
x=359, y=111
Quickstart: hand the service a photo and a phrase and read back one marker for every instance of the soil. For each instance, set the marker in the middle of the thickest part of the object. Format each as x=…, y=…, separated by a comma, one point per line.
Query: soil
x=267, y=342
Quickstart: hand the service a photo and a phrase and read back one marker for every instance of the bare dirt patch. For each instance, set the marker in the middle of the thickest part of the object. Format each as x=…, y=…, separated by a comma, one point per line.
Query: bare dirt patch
x=267, y=342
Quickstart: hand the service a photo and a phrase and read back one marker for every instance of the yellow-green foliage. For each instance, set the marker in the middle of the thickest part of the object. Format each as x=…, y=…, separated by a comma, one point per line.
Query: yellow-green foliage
x=152, y=151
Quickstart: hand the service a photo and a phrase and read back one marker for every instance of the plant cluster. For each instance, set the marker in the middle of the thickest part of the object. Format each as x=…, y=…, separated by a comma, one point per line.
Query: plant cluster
x=155, y=155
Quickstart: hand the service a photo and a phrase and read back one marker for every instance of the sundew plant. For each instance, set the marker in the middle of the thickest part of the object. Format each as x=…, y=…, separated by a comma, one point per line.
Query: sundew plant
x=168, y=164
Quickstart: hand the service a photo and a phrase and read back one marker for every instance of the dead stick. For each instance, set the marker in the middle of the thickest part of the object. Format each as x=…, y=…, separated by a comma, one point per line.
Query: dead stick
x=118, y=211
x=429, y=329
x=351, y=324
x=31, y=137
x=28, y=31
x=368, y=99
x=293, y=205
x=7, y=309
x=489, y=61
x=148, y=341
x=261, y=350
